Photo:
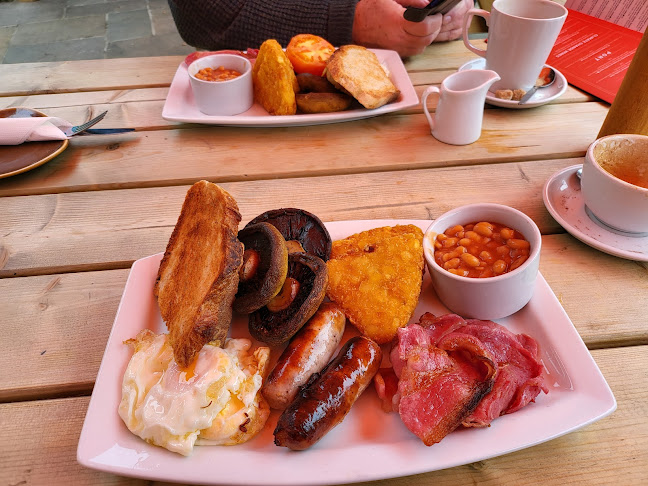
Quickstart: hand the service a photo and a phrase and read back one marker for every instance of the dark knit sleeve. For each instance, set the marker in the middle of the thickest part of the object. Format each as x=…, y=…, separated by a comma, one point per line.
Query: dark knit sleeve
x=239, y=24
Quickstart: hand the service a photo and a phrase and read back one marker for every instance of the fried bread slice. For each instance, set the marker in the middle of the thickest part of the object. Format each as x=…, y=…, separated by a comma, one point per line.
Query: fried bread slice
x=376, y=277
x=357, y=71
x=199, y=274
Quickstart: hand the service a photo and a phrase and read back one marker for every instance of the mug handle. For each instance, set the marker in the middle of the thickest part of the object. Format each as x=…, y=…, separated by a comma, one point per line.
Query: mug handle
x=467, y=19
x=428, y=91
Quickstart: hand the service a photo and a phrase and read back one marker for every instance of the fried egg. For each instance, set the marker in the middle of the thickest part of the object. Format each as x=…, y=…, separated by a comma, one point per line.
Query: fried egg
x=215, y=401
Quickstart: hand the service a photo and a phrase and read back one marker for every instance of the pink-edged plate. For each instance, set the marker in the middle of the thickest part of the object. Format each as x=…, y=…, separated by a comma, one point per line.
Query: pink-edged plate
x=369, y=444
x=181, y=107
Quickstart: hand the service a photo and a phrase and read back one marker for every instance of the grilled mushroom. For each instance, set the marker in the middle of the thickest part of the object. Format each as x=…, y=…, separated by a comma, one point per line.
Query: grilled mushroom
x=300, y=225
x=303, y=292
x=264, y=269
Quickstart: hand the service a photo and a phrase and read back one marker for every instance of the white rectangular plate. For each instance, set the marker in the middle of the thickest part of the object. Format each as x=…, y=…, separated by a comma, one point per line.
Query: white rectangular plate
x=369, y=444
x=180, y=105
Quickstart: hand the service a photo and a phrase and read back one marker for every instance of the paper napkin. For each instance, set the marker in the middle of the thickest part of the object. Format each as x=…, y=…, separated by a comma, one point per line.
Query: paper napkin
x=14, y=131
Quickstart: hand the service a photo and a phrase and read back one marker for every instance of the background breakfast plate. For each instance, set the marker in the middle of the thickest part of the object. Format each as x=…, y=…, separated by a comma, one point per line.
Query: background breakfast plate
x=16, y=159
x=369, y=444
x=564, y=200
x=541, y=97
x=180, y=105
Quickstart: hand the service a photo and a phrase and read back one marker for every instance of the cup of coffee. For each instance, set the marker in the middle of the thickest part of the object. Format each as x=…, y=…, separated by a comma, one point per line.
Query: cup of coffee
x=614, y=183
x=521, y=35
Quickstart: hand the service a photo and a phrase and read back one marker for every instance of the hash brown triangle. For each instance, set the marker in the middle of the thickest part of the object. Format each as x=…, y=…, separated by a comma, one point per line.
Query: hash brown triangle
x=375, y=276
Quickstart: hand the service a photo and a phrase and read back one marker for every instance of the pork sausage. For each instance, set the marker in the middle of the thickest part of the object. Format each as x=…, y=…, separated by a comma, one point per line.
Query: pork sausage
x=326, y=399
x=307, y=353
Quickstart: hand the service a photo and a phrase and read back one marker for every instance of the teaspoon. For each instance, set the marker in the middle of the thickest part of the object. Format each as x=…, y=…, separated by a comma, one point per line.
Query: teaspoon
x=546, y=78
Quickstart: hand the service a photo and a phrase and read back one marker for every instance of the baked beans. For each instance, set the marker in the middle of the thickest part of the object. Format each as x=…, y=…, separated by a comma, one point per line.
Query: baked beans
x=221, y=73
x=480, y=249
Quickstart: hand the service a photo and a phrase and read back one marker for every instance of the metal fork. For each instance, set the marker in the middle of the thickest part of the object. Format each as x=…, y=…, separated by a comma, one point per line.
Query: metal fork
x=70, y=132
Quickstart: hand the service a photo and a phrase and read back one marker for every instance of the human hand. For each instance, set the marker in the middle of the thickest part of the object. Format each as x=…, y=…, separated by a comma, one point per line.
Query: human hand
x=452, y=25
x=380, y=23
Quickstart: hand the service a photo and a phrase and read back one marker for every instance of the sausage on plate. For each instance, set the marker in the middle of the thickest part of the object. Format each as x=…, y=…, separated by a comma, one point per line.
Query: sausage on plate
x=307, y=353
x=326, y=399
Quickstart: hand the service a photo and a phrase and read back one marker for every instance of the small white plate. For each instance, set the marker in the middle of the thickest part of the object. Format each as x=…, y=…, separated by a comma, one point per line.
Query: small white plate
x=369, y=444
x=564, y=200
x=180, y=105
x=541, y=97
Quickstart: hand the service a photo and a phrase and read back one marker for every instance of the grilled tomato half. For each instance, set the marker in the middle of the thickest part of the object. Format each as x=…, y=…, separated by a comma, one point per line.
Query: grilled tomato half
x=308, y=53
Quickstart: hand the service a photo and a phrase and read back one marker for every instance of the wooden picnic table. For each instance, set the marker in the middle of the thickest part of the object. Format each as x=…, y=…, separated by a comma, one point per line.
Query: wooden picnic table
x=71, y=228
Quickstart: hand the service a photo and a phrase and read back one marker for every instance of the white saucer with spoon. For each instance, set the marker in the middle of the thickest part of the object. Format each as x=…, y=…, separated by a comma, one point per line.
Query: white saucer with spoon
x=541, y=97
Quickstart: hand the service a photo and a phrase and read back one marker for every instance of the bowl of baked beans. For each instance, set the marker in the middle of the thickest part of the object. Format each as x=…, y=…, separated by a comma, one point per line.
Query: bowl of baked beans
x=222, y=84
x=483, y=259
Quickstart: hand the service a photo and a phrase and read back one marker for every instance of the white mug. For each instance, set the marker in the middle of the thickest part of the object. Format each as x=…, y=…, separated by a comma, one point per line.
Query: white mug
x=521, y=34
x=614, y=183
x=460, y=109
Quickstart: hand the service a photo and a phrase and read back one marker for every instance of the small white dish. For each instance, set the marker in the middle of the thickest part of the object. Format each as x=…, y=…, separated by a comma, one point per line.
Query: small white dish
x=369, y=444
x=180, y=105
x=222, y=98
x=564, y=200
x=541, y=97
x=491, y=297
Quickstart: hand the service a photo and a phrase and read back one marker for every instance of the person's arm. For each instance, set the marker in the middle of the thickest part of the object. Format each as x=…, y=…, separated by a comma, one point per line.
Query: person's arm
x=239, y=24
x=380, y=23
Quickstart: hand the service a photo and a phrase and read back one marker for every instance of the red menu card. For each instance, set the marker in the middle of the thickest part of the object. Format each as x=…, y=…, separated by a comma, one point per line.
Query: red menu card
x=594, y=54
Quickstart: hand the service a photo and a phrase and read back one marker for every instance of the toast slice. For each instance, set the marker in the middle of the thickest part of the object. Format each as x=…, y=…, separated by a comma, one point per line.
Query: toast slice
x=357, y=71
x=199, y=274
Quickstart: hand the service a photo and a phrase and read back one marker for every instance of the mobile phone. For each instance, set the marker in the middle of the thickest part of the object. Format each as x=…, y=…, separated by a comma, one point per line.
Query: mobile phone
x=414, y=14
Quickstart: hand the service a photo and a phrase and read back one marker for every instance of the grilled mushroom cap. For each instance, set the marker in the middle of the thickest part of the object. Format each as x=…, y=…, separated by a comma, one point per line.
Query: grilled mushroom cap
x=300, y=225
x=265, y=265
x=276, y=328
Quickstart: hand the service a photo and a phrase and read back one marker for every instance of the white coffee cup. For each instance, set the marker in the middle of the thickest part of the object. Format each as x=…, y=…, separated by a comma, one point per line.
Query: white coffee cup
x=521, y=34
x=460, y=109
x=614, y=183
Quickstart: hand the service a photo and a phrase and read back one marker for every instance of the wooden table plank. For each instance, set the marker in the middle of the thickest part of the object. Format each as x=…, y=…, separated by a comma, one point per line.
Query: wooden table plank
x=59, y=326
x=54, y=320
x=57, y=78
x=26, y=79
x=38, y=442
x=166, y=157
x=109, y=229
x=142, y=108
x=76, y=101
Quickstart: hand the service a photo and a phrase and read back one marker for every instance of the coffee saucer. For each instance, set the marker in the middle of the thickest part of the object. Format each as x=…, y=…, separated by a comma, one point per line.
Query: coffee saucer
x=563, y=199
x=541, y=97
